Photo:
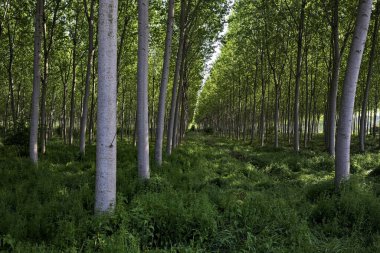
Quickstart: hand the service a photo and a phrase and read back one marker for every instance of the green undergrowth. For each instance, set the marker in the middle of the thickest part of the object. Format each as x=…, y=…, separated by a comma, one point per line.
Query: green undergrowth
x=211, y=195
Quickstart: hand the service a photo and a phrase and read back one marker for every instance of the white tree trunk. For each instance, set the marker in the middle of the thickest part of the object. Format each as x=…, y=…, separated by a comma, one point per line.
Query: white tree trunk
x=105, y=195
x=171, y=130
x=164, y=84
x=33, y=147
x=343, y=138
x=83, y=121
x=142, y=90
x=363, y=118
x=296, y=143
x=333, y=93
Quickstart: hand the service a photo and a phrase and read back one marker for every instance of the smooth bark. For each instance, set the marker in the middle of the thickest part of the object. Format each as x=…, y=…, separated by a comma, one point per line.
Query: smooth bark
x=105, y=193
x=83, y=121
x=363, y=119
x=181, y=43
x=343, y=138
x=33, y=146
x=142, y=90
x=296, y=144
x=164, y=84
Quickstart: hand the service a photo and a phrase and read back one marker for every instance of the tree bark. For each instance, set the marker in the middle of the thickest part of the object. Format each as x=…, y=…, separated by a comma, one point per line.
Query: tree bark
x=33, y=146
x=363, y=119
x=72, y=102
x=10, y=74
x=333, y=93
x=105, y=193
x=181, y=43
x=263, y=88
x=343, y=139
x=48, y=42
x=296, y=144
x=83, y=121
x=164, y=84
x=142, y=91
x=254, y=104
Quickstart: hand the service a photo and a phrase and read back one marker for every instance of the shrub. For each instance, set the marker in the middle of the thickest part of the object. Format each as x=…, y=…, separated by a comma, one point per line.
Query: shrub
x=19, y=137
x=173, y=218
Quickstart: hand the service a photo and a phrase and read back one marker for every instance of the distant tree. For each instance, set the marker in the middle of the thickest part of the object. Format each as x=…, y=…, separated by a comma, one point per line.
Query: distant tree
x=164, y=84
x=33, y=146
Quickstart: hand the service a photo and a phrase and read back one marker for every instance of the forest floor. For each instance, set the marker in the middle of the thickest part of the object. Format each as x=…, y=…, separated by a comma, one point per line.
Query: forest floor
x=211, y=195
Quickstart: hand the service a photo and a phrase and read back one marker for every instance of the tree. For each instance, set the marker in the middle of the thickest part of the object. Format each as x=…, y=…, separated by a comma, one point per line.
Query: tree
x=363, y=118
x=83, y=122
x=164, y=84
x=298, y=78
x=105, y=193
x=142, y=90
x=181, y=42
x=343, y=138
x=33, y=147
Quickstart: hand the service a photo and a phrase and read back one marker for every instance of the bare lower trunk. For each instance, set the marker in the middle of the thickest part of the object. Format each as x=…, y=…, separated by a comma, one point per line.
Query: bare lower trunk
x=142, y=91
x=92, y=108
x=171, y=129
x=298, y=79
x=33, y=147
x=10, y=75
x=363, y=119
x=105, y=193
x=164, y=84
x=343, y=139
x=83, y=121
x=72, y=100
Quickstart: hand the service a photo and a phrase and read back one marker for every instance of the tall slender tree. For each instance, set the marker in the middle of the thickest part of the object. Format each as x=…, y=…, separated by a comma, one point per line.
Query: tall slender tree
x=298, y=78
x=105, y=193
x=83, y=121
x=343, y=138
x=33, y=146
x=164, y=84
x=142, y=90
x=363, y=118
x=171, y=129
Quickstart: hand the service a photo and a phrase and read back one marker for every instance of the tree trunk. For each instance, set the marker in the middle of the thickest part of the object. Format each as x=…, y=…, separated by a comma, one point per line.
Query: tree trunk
x=254, y=104
x=105, y=194
x=142, y=91
x=83, y=121
x=72, y=102
x=363, y=119
x=306, y=127
x=343, y=139
x=331, y=121
x=164, y=84
x=298, y=79
x=181, y=43
x=92, y=108
x=33, y=146
x=48, y=42
x=263, y=88
x=10, y=75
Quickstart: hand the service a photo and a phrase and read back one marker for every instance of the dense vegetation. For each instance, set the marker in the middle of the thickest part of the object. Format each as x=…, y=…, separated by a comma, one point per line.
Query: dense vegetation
x=244, y=103
x=211, y=195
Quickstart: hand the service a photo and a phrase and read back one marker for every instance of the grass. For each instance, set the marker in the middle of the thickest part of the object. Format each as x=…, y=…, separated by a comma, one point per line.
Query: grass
x=211, y=195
